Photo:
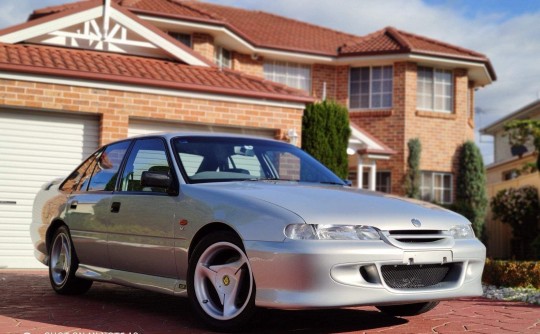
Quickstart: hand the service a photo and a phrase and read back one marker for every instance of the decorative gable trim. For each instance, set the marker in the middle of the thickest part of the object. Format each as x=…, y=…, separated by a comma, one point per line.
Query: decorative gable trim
x=103, y=27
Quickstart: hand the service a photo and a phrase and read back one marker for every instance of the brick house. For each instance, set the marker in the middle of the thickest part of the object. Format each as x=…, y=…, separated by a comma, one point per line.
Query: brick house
x=83, y=74
x=504, y=173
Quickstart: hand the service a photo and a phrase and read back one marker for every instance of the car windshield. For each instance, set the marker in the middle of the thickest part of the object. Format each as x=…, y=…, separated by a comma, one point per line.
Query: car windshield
x=223, y=159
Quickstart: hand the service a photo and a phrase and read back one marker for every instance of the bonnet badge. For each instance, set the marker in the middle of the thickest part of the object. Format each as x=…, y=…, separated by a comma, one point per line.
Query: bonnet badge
x=416, y=222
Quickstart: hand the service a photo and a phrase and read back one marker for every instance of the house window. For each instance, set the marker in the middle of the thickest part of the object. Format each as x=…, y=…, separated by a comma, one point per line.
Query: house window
x=223, y=57
x=290, y=74
x=436, y=187
x=371, y=87
x=182, y=38
x=510, y=174
x=383, y=181
x=434, y=89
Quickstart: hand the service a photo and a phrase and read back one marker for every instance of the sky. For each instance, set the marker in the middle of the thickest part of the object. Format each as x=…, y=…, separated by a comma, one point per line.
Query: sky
x=507, y=31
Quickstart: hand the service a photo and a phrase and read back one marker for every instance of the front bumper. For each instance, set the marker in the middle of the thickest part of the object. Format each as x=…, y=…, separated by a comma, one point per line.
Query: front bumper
x=323, y=274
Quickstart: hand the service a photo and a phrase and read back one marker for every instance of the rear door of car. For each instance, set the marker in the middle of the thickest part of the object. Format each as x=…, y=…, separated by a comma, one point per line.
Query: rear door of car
x=141, y=232
x=89, y=204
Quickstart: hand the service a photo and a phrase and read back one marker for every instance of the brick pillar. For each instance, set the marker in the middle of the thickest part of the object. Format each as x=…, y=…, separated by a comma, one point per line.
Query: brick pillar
x=113, y=126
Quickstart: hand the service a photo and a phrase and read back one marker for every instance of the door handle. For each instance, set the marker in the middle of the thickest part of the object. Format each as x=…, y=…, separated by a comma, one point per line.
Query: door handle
x=73, y=205
x=115, y=207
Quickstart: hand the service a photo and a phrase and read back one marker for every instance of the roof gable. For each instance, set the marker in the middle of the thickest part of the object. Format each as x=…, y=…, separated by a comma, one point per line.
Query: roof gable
x=100, y=25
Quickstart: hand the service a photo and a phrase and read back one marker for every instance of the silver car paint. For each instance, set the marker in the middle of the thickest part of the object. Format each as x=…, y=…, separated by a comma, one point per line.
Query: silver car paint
x=289, y=274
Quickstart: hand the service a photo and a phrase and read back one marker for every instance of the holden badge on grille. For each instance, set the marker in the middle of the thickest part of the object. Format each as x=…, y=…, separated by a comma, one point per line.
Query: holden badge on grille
x=416, y=222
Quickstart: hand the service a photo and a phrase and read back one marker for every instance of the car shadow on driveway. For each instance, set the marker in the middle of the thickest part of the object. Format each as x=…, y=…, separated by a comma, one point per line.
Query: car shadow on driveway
x=30, y=305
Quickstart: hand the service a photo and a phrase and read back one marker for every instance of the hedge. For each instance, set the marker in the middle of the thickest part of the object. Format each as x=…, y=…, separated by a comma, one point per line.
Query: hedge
x=525, y=274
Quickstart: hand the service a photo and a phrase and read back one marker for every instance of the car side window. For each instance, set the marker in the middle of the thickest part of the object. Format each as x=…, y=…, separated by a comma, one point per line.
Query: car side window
x=107, y=165
x=78, y=180
x=147, y=155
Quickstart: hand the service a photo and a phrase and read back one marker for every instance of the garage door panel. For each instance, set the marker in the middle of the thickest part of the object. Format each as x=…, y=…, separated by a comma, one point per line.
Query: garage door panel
x=35, y=147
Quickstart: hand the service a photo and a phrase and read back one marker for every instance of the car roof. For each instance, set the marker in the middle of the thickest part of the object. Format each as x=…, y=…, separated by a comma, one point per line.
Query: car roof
x=170, y=135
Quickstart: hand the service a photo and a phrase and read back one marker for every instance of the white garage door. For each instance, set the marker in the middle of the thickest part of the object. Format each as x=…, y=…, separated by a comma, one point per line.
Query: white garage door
x=35, y=147
x=143, y=127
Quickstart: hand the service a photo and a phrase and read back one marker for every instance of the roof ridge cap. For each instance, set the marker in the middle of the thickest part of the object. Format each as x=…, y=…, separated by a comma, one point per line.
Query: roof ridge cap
x=402, y=40
x=438, y=42
x=274, y=15
x=187, y=3
x=363, y=38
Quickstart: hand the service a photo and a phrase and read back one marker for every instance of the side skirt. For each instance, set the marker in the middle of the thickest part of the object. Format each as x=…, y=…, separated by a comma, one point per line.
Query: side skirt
x=165, y=285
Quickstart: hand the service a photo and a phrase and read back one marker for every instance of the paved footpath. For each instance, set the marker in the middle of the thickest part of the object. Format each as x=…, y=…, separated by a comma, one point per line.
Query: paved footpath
x=28, y=305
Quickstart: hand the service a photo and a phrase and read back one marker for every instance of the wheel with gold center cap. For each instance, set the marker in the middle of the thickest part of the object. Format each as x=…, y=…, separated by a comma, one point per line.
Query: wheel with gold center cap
x=220, y=282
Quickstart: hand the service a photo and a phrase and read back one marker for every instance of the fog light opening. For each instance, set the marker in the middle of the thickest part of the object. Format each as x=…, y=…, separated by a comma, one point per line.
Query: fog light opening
x=370, y=274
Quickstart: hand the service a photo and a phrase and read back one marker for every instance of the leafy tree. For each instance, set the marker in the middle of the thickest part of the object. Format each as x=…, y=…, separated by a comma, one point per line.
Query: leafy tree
x=412, y=178
x=520, y=208
x=325, y=135
x=471, y=198
x=520, y=132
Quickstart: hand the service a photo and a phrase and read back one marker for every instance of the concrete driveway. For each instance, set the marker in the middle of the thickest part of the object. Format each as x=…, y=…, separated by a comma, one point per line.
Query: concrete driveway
x=28, y=305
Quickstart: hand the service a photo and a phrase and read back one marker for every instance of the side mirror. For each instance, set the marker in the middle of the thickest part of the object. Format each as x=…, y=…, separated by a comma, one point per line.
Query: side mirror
x=156, y=180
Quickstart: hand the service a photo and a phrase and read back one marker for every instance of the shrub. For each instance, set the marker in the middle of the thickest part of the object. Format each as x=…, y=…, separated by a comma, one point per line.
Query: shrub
x=520, y=208
x=512, y=273
x=412, y=178
x=325, y=135
x=471, y=199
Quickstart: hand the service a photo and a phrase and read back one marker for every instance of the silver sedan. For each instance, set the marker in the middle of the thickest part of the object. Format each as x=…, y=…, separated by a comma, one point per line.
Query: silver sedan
x=237, y=222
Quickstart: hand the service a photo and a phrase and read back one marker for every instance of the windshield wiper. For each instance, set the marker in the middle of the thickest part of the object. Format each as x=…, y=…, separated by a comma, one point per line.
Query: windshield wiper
x=333, y=183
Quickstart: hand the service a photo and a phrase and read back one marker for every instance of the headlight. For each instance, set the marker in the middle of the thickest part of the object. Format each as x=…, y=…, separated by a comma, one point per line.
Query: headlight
x=462, y=232
x=331, y=232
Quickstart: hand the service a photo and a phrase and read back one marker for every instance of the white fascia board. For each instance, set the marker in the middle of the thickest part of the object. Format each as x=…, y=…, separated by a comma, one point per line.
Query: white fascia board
x=242, y=43
x=156, y=39
x=149, y=90
x=357, y=135
x=51, y=26
x=453, y=63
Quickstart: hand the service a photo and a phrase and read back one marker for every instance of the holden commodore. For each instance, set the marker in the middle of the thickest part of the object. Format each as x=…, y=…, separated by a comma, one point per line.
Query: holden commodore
x=236, y=223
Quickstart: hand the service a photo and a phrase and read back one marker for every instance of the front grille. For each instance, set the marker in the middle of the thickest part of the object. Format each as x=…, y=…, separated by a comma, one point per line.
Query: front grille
x=414, y=276
x=416, y=236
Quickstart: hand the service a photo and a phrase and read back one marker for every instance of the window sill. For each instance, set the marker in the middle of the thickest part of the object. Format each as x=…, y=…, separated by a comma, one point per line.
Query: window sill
x=436, y=114
x=371, y=112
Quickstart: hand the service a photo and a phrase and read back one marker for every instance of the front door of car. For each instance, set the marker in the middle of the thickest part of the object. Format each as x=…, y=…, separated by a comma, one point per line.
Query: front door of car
x=141, y=235
x=89, y=203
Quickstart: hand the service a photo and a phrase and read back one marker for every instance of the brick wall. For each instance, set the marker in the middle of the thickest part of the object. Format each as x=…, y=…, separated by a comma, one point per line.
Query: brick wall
x=246, y=64
x=116, y=107
x=441, y=134
x=204, y=45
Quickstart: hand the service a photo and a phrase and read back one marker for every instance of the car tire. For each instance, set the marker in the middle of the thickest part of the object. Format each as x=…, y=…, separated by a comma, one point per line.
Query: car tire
x=220, y=282
x=63, y=264
x=405, y=310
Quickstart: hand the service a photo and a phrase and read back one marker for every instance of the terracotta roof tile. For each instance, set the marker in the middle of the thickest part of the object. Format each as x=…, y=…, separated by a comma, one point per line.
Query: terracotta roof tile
x=260, y=28
x=272, y=31
x=94, y=65
x=392, y=40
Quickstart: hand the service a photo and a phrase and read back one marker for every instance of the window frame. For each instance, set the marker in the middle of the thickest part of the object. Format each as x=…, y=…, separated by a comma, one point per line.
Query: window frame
x=177, y=34
x=370, y=88
x=433, y=96
x=379, y=185
x=174, y=191
x=218, y=57
x=289, y=65
x=432, y=188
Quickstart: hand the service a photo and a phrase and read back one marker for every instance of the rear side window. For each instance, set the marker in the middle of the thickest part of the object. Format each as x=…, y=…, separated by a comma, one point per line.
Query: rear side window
x=106, y=169
x=78, y=180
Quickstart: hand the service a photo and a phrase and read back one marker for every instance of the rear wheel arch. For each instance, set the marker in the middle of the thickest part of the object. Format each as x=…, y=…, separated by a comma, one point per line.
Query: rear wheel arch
x=55, y=225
